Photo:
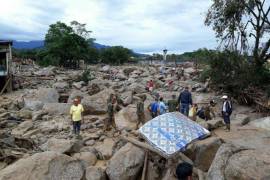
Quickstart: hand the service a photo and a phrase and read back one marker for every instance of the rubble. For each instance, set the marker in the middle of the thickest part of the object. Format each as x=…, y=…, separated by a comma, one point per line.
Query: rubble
x=36, y=138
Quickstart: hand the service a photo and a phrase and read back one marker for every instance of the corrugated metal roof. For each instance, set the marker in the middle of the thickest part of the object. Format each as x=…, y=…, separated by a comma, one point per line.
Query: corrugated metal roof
x=5, y=42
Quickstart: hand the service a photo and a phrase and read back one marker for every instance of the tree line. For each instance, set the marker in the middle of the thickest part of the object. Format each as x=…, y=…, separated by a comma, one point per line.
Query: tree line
x=65, y=45
x=242, y=28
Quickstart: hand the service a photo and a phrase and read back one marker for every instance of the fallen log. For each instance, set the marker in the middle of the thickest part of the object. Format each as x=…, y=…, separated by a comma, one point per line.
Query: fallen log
x=150, y=148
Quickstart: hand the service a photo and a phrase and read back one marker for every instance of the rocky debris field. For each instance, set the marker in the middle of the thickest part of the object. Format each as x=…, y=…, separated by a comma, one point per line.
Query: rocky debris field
x=36, y=134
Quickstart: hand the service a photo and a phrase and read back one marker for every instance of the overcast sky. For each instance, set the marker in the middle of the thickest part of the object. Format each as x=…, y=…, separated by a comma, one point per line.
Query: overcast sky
x=145, y=26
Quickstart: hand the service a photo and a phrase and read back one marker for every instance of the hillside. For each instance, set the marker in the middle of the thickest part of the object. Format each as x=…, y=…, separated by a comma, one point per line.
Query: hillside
x=40, y=44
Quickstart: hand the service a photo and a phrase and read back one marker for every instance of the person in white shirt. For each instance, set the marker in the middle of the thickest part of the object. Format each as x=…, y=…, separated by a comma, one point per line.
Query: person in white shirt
x=226, y=112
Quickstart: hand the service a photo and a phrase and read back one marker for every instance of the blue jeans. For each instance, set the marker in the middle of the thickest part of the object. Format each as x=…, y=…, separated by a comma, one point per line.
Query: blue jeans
x=76, y=127
x=184, y=109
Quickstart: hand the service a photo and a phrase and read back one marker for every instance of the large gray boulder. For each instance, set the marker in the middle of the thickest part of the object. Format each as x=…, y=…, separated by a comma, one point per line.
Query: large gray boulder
x=87, y=158
x=44, y=166
x=127, y=97
x=105, y=150
x=48, y=71
x=47, y=95
x=203, y=152
x=76, y=93
x=22, y=128
x=126, y=163
x=95, y=173
x=97, y=104
x=61, y=86
x=137, y=88
x=57, y=108
x=240, y=163
x=62, y=145
x=263, y=123
x=127, y=117
x=33, y=104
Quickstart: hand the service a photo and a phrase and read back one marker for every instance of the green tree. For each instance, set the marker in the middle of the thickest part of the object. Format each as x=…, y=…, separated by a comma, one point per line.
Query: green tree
x=64, y=45
x=115, y=55
x=242, y=25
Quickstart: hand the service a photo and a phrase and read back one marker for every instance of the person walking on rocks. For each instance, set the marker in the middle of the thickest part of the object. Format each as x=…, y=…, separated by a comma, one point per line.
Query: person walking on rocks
x=111, y=108
x=172, y=104
x=140, y=111
x=153, y=108
x=76, y=112
x=161, y=106
x=226, y=112
x=184, y=100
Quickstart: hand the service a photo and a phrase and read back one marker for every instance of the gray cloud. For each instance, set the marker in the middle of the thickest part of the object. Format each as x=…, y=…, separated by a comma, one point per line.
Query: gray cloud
x=144, y=26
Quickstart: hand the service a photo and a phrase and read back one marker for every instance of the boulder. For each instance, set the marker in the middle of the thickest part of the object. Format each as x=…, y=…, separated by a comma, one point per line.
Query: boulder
x=240, y=163
x=78, y=85
x=121, y=77
x=126, y=164
x=53, y=124
x=94, y=88
x=33, y=105
x=190, y=70
x=61, y=86
x=62, y=146
x=45, y=165
x=128, y=70
x=95, y=173
x=87, y=158
x=263, y=123
x=48, y=71
x=97, y=104
x=137, y=88
x=22, y=128
x=47, y=95
x=127, y=117
x=25, y=114
x=203, y=152
x=37, y=115
x=106, y=68
x=215, y=123
x=56, y=108
x=76, y=93
x=105, y=150
x=126, y=97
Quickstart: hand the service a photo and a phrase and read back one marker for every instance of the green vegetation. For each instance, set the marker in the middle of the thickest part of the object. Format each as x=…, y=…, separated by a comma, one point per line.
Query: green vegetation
x=243, y=28
x=115, y=55
x=86, y=76
x=66, y=45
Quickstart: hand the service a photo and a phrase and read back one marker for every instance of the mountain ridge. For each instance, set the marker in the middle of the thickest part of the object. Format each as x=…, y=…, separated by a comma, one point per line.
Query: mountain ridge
x=40, y=43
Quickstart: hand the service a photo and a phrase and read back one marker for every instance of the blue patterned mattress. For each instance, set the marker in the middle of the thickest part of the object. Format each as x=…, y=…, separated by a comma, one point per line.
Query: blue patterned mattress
x=172, y=132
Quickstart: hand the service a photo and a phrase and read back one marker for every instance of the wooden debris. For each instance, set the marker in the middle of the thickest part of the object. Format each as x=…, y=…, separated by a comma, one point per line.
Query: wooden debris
x=145, y=166
x=150, y=148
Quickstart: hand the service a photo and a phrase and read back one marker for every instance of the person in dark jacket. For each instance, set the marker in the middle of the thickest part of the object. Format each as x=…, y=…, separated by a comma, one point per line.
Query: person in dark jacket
x=185, y=99
x=226, y=112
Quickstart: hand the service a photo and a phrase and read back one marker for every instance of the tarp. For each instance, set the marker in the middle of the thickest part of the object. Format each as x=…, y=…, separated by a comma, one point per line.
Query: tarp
x=172, y=132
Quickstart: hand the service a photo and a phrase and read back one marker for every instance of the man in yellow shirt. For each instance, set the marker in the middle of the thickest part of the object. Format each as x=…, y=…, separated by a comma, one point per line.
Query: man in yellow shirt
x=76, y=112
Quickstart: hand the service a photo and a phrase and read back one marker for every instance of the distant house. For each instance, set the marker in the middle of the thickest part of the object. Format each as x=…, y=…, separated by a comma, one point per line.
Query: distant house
x=5, y=64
